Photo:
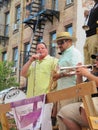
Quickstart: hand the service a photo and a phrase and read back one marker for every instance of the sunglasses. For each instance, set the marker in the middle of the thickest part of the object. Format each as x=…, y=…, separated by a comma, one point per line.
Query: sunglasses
x=62, y=42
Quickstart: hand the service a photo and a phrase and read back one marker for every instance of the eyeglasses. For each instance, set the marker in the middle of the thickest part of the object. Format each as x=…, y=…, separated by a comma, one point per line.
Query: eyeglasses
x=62, y=42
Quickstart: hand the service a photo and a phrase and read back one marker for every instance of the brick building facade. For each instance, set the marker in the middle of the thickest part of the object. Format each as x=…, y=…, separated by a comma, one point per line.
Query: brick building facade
x=16, y=37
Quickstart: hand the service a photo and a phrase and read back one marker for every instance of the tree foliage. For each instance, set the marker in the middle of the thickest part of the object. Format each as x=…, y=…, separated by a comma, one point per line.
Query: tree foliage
x=7, y=79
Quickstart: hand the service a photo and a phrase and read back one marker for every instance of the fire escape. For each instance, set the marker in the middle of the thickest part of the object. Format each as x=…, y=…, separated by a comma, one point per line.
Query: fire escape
x=37, y=20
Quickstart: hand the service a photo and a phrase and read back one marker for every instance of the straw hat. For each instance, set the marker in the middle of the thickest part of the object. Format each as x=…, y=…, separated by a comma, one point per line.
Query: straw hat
x=63, y=36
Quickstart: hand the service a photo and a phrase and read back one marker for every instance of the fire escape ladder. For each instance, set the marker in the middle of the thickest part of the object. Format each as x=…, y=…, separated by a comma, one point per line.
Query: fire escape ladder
x=37, y=34
x=37, y=20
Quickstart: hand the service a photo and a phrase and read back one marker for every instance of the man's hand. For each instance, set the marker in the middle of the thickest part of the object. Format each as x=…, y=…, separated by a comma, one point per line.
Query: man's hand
x=86, y=13
x=82, y=71
x=56, y=76
x=34, y=57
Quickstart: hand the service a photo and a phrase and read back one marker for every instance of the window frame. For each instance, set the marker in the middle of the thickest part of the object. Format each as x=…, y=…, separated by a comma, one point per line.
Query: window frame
x=7, y=22
x=69, y=3
x=4, y=56
x=52, y=46
x=26, y=52
x=69, y=26
x=55, y=4
x=18, y=14
x=15, y=57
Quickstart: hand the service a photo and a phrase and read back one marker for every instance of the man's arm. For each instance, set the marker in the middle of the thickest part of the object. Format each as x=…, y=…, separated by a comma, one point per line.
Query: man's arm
x=86, y=73
x=25, y=68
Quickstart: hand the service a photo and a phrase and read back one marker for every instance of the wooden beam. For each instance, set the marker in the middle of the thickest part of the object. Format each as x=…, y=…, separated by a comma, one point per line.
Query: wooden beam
x=79, y=90
x=94, y=122
x=4, y=121
x=89, y=109
x=5, y=108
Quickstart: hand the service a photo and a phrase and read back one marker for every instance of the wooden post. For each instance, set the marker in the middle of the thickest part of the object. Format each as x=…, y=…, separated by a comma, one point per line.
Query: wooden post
x=4, y=121
x=3, y=109
x=90, y=112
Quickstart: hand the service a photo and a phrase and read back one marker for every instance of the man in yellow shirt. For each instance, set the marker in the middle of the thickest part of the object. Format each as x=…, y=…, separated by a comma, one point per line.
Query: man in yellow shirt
x=39, y=70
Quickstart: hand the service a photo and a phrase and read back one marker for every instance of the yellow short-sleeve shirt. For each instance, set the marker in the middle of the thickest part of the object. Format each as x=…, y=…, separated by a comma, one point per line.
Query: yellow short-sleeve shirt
x=39, y=76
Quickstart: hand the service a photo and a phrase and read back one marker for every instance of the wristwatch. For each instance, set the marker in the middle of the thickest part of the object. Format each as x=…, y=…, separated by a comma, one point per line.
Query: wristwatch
x=62, y=74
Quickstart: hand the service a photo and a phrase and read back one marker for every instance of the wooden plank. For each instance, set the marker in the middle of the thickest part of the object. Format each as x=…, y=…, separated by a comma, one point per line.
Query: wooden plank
x=89, y=105
x=75, y=91
x=79, y=90
x=94, y=122
x=4, y=121
x=5, y=108
x=89, y=109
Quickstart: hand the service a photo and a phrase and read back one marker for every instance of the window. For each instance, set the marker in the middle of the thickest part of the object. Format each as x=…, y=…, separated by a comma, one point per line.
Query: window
x=69, y=29
x=17, y=20
x=69, y=2
x=7, y=21
x=4, y=56
x=26, y=52
x=53, y=45
x=15, y=56
x=55, y=4
x=42, y=4
x=28, y=10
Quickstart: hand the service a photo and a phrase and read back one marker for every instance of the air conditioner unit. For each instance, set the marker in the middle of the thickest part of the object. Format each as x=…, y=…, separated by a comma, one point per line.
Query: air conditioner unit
x=69, y=2
x=16, y=26
x=14, y=69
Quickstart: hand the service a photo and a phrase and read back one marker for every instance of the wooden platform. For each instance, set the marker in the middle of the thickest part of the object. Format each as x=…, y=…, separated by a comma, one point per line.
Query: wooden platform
x=83, y=90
